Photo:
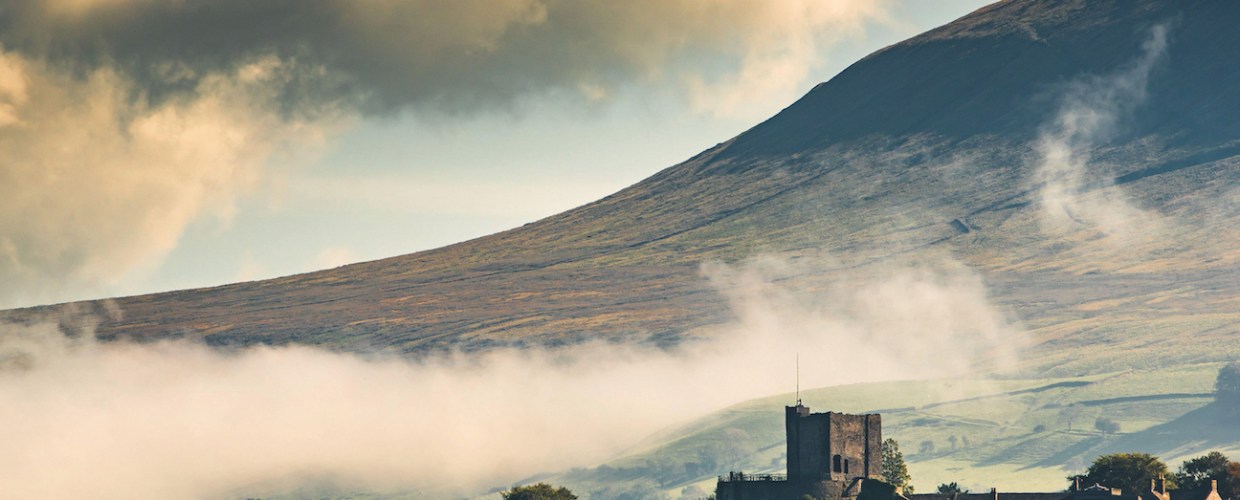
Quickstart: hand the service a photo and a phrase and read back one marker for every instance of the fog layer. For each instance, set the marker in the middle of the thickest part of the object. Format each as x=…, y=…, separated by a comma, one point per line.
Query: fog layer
x=180, y=420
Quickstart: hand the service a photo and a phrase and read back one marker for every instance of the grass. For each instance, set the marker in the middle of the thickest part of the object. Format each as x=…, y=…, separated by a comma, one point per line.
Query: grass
x=1011, y=434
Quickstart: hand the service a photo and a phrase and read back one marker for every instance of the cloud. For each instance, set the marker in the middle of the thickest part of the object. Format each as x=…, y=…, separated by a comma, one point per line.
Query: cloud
x=461, y=56
x=1091, y=111
x=916, y=321
x=785, y=41
x=179, y=420
x=99, y=181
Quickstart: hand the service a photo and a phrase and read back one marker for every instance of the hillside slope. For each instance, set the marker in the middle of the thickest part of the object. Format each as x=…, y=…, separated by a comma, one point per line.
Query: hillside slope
x=1013, y=434
x=946, y=144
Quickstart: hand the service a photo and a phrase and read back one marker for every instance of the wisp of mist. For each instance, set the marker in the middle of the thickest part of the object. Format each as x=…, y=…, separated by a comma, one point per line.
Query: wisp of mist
x=1091, y=110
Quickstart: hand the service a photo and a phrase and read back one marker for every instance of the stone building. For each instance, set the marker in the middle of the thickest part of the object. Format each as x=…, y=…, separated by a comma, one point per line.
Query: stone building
x=1078, y=491
x=829, y=454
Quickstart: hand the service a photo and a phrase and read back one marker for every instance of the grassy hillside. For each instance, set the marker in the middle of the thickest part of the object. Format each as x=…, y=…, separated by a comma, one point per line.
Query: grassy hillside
x=1015, y=435
x=1011, y=434
x=928, y=150
x=931, y=152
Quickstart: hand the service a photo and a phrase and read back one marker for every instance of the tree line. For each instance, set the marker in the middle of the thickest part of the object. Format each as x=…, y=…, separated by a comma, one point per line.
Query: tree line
x=1131, y=472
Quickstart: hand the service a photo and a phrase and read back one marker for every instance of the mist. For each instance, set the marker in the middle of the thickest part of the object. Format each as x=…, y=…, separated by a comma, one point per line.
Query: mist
x=1074, y=194
x=176, y=419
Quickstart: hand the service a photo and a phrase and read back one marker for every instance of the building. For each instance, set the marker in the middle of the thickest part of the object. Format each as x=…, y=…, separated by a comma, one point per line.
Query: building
x=1076, y=491
x=829, y=455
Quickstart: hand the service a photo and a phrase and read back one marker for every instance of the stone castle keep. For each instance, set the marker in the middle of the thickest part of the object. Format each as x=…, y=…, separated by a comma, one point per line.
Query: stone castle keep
x=829, y=454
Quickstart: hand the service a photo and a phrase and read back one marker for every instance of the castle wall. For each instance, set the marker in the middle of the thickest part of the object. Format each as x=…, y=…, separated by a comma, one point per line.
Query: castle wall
x=808, y=444
x=779, y=490
x=754, y=490
x=874, y=445
x=857, y=439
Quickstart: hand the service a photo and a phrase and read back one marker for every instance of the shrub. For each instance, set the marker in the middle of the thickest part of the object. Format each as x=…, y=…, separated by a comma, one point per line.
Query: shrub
x=1106, y=425
x=540, y=491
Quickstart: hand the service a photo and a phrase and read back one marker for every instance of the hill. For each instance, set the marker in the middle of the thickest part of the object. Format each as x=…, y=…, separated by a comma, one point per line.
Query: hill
x=1082, y=156
x=1013, y=434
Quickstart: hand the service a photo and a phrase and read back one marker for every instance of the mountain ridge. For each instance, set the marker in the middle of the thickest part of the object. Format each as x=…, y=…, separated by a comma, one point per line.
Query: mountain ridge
x=889, y=159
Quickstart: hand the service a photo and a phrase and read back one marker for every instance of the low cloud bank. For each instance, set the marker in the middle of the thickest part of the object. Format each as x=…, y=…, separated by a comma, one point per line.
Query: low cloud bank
x=917, y=321
x=180, y=420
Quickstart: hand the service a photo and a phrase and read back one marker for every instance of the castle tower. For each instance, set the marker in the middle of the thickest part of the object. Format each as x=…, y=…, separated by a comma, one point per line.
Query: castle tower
x=828, y=456
x=832, y=446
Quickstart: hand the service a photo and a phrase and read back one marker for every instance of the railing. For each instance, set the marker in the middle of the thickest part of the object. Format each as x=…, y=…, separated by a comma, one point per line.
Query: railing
x=736, y=477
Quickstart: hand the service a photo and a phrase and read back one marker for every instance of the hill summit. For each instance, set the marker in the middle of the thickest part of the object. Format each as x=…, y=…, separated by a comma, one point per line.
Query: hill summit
x=1082, y=156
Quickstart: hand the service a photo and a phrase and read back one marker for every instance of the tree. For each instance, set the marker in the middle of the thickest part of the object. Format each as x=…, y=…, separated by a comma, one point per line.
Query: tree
x=540, y=491
x=1233, y=481
x=1130, y=472
x=1070, y=414
x=873, y=489
x=895, y=471
x=951, y=489
x=1106, y=425
x=1227, y=389
x=1198, y=472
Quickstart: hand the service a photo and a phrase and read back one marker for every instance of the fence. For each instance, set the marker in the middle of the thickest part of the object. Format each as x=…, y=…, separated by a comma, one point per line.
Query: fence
x=737, y=477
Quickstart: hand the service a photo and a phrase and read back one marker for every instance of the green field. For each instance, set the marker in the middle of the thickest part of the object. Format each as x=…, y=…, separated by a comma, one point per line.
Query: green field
x=1011, y=434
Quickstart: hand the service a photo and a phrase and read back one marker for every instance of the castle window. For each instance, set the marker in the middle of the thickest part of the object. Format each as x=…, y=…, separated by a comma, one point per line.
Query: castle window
x=837, y=460
x=846, y=466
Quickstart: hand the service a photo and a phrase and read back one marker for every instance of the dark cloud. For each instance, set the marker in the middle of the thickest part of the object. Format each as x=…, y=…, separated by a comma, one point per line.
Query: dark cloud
x=461, y=55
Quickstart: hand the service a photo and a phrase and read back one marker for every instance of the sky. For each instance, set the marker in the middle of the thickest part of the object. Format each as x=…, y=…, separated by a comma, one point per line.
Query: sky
x=151, y=145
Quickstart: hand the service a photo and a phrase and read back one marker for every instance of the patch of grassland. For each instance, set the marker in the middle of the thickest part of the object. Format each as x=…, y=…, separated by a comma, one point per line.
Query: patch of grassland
x=1012, y=434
